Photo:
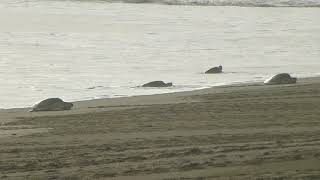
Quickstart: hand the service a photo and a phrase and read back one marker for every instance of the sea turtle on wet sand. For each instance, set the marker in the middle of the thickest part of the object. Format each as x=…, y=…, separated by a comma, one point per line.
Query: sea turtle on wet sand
x=282, y=78
x=52, y=104
x=214, y=70
x=157, y=84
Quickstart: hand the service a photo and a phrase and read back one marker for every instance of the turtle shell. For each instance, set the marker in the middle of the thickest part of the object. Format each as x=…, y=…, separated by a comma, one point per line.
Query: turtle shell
x=157, y=84
x=52, y=104
x=283, y=78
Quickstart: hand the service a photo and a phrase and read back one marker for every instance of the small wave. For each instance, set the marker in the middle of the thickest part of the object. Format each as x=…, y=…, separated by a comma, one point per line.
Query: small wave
x=241, y=3
x=95, y=87
x=244, y=3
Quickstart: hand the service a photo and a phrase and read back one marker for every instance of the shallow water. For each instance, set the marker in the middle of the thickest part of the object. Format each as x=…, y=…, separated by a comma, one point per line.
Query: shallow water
x=85, y=50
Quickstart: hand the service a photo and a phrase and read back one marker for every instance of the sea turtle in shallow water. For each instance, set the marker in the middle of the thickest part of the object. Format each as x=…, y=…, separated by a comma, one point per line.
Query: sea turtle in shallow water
x=157, y=84
x=52, y=104
x=214, y=70
x=282, y=78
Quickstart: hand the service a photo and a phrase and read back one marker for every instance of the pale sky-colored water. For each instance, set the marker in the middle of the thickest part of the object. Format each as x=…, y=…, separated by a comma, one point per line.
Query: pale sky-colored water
x=85, y=50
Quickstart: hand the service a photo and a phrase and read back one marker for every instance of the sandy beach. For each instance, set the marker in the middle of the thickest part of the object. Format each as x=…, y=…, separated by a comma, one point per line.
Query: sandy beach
x=244, y=132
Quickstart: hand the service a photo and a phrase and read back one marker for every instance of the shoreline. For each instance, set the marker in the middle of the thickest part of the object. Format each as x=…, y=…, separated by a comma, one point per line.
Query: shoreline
x=235, y=84
x=183, y=91
x=101, y=104
x=129, y=96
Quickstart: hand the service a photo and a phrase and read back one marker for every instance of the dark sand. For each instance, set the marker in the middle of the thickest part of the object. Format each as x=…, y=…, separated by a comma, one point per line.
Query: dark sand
x=239, y=133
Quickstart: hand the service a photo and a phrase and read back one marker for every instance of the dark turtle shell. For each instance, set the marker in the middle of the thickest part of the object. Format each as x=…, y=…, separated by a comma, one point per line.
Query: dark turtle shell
x=157, y=84
x=214, y=70
x=282, y=78
x=52, y=104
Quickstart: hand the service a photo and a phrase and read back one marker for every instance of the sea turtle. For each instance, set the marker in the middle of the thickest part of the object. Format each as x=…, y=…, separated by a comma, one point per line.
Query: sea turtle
x=282, y=78
x=214, y=70
x=157, y=84
x=52, y=104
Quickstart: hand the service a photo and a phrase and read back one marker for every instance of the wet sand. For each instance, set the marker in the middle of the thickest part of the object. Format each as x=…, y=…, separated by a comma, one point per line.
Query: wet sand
x=236, y=132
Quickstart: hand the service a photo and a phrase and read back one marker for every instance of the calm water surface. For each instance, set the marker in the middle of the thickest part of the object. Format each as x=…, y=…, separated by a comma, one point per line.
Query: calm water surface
x=86, y=50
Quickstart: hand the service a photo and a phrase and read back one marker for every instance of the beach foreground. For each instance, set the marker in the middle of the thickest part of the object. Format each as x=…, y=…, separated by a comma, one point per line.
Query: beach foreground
x=236, y=132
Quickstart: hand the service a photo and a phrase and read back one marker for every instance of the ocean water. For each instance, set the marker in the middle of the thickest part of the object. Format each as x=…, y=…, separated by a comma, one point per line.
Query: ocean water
x=81, y=50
